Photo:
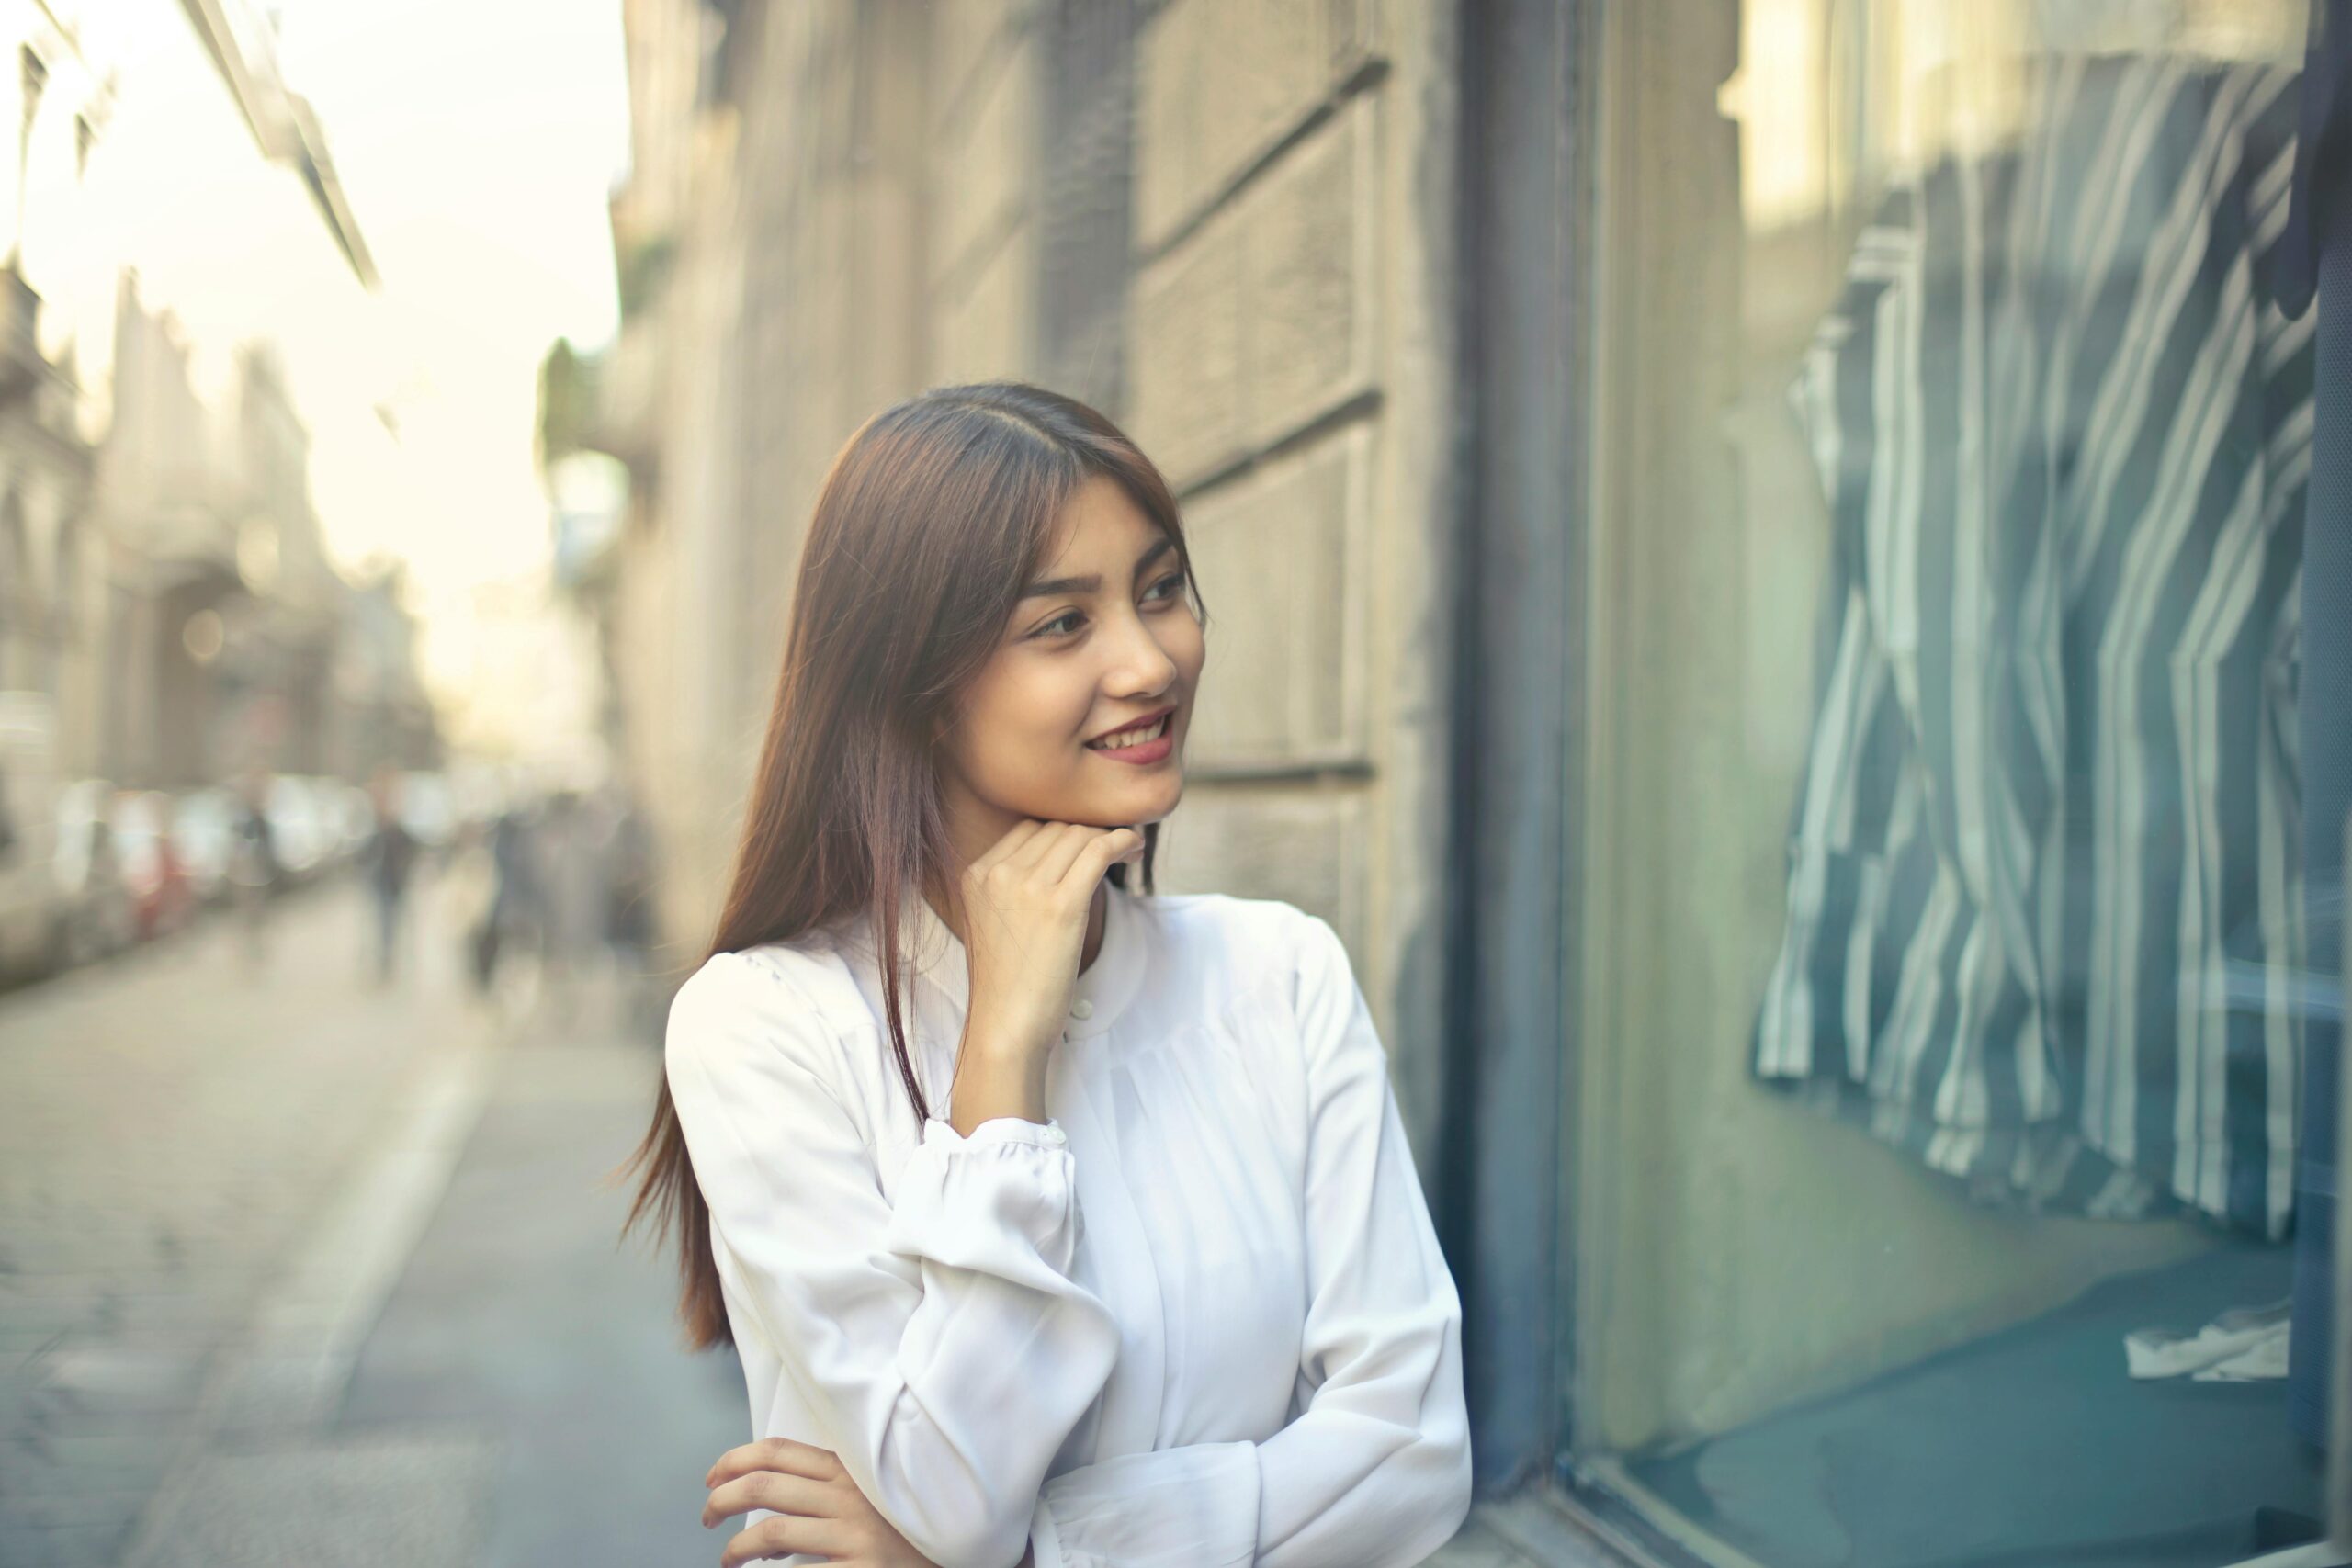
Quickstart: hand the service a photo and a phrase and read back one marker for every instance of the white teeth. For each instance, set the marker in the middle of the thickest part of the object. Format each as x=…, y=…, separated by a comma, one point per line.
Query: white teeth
x=1121, y=741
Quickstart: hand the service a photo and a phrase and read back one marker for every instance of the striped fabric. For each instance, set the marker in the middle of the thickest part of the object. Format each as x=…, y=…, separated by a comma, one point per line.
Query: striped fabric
x=2045, y=896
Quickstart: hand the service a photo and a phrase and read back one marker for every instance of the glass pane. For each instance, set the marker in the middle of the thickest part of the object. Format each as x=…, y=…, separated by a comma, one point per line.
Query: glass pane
x=1935, y=1184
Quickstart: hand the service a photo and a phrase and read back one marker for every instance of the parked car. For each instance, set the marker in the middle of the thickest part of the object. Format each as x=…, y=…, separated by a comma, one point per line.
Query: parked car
x=354, y=816
x=94, y=914
x=161, y=898
x=31, y=909
x=428, y=809
x=204, y=833
x=299, y=829
x=480, y=792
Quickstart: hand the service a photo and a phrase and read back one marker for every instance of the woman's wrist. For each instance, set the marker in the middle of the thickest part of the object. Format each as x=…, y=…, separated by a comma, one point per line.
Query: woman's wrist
x=994, y=1083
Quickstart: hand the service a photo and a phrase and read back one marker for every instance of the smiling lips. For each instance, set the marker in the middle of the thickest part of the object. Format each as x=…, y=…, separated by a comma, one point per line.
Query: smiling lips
x=1137, y=746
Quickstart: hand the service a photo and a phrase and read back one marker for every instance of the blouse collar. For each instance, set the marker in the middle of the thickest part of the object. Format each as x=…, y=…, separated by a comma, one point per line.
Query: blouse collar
x=1104, y=987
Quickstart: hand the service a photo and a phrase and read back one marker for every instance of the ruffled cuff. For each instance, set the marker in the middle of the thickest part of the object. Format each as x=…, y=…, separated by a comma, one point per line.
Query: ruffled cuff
x=999, y=1201
x=1044, y=1135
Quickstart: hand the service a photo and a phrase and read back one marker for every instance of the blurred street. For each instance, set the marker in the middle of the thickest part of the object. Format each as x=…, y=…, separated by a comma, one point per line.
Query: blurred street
x=299, y=1268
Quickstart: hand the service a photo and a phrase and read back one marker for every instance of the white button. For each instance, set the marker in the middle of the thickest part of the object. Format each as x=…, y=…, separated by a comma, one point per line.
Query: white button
x=1081, y=1008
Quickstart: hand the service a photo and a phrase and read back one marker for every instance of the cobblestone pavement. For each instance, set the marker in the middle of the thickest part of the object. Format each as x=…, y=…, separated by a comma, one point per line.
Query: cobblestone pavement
x=169, y=1123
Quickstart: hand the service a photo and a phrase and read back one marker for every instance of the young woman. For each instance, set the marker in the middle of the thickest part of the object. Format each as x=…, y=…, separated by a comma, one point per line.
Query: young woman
x=1084, y=1233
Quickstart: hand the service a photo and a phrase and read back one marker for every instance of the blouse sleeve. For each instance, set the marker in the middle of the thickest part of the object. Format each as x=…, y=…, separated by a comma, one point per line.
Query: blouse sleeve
x=1375, y=1470
x=939, y=1342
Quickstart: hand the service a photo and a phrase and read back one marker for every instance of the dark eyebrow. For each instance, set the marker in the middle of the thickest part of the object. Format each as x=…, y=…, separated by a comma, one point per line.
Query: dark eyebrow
x=1054, y=587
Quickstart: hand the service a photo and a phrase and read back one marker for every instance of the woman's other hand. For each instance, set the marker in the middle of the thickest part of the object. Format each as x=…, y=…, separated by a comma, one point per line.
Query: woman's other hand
x=816, y=1508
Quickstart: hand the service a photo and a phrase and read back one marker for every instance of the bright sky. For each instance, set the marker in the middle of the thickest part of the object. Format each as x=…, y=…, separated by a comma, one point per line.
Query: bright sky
x=477, y=141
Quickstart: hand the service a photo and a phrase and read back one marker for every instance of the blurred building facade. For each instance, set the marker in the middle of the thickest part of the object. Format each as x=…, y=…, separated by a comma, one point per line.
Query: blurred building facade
x=54, y=599
x=167, y=506
x=379, y=714
x=229, y=636
x=173, y=609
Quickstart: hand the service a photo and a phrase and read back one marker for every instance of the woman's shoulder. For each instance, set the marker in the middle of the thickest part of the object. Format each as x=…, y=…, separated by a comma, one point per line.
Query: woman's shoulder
x=798, y=996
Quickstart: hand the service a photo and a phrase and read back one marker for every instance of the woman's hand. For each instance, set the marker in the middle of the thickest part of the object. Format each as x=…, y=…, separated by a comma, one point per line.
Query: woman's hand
x=816, y=1509
x=1026, y=904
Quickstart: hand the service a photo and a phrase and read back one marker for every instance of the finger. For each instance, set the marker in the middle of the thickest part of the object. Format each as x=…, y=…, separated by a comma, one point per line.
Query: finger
x=1015, y=836
x=776, y=1492
x=1095, y=857
x=1041, y=846
x=774, y=1453
x=1070, y=849
x=781, y=1535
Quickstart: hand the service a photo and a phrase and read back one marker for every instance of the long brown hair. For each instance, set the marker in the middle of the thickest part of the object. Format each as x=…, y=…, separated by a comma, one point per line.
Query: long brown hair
x=934, y=515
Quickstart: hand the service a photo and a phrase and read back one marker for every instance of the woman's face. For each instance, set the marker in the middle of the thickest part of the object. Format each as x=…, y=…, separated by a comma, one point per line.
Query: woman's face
x=1104, y=636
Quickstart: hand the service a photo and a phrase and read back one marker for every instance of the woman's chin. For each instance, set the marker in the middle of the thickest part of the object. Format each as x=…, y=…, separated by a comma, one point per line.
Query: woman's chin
x=1163, y=801
x=1135, y=808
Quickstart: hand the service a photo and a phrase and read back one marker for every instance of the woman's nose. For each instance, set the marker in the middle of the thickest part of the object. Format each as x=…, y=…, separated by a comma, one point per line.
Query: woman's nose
x=1141, y=667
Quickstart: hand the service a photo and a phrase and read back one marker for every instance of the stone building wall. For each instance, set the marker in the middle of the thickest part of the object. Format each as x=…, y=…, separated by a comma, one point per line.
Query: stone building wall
x=1289, y=360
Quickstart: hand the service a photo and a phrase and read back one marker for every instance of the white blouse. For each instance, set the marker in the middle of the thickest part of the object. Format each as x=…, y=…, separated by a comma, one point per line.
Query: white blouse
x=1198, y=1317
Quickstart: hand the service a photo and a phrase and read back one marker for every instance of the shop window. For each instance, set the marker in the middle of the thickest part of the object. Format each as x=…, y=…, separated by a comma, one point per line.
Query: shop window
x=1943, y=924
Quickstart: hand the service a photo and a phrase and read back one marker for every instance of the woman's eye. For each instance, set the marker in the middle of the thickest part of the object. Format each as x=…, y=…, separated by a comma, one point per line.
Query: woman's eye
x=1060, y=626
x=1172, y=579
x=1168, y=587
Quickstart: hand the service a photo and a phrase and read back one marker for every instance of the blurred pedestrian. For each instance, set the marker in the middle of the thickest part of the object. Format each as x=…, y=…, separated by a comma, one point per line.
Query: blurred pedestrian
x=629, y=885
x=517, y=899
x=254, y=868
x=571, y=873
x=390, y=856
x=628, y=893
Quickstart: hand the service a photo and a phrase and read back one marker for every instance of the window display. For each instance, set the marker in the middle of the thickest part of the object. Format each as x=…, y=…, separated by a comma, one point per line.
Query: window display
x=1950, y=937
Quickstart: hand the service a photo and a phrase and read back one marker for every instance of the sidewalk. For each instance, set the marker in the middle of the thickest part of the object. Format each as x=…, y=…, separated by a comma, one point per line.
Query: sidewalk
x=170, y=1123
x=298, y=1268
x=523, y=1320
x=518, y=1396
